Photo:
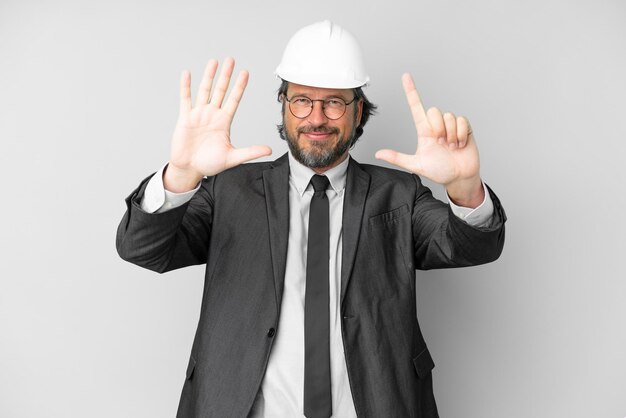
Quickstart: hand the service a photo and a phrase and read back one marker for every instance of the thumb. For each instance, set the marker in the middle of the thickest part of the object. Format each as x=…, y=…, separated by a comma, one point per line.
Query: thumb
x=406, y=161
x=241, y=155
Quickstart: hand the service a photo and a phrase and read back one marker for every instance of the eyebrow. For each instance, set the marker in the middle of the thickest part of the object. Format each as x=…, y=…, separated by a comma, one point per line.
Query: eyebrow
x=330, y=96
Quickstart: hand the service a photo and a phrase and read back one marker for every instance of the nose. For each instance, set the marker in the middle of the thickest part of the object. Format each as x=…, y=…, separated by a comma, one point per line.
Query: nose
x=317, y=116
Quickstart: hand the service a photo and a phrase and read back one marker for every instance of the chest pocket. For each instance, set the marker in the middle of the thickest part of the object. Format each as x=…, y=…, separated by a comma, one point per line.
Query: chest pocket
x=388, y=219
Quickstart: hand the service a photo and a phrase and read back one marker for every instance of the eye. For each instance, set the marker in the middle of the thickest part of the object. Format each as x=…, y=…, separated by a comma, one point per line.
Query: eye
x=301, y=101
x=334, y=102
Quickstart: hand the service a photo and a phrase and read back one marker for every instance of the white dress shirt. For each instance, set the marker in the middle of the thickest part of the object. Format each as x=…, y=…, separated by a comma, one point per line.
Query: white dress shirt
x=282, y=389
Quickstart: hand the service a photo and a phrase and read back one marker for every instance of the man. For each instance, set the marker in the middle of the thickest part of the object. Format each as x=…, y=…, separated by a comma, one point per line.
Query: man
x=309, y=298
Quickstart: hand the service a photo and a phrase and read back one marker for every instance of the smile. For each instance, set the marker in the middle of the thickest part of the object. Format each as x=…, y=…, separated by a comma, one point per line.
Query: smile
x=317, y=136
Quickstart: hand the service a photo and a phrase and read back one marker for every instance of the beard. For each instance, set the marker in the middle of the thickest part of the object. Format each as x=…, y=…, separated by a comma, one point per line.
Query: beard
x=321, y=154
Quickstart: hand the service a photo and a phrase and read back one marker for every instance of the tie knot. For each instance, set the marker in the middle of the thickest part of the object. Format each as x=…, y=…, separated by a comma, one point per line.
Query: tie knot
x=320, y=183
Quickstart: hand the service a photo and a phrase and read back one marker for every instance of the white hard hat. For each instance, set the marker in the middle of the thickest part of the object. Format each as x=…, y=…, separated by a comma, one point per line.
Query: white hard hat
x=323, y=55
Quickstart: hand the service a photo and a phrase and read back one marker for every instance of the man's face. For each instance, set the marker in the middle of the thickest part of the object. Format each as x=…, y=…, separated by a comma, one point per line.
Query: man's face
x=317, y=141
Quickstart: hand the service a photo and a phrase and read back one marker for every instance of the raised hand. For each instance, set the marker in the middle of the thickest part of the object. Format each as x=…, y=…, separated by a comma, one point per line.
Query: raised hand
x=446, y=150
x=201, y=144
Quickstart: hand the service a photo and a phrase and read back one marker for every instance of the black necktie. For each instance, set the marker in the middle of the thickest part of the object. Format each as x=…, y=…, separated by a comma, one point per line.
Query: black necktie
x=317, y=399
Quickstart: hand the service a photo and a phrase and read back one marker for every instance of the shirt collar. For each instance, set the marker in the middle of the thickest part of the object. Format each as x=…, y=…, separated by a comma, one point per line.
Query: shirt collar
x=301, y=175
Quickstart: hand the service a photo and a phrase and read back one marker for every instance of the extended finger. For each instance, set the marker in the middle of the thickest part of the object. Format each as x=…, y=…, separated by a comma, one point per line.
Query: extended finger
x=451, y=134
x=204, y=91
x=406, y=161
x=234, y=98
x=241, y=155
x=223, y=82
x=435, y=119
x=464, y=130
x=185, y=91
x=413, y=98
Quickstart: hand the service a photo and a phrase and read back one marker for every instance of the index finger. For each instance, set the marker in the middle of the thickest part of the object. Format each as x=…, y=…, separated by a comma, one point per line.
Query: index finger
x=236, y=93
x=415, y=103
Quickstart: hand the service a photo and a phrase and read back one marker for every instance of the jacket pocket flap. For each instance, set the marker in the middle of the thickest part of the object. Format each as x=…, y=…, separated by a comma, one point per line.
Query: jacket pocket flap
x=390, y=217
x=423, y=363
x=191, y=367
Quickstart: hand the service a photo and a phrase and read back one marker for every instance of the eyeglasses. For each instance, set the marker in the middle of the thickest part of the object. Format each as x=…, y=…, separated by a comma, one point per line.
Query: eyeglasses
x=301, y=106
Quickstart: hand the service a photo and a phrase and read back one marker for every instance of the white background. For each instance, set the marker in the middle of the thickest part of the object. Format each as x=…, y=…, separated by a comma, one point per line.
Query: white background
x=88, y=102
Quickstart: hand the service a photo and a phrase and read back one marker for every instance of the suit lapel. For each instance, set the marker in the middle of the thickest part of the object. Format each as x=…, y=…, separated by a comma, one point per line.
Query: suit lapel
x=276, y=184
x=357, y=185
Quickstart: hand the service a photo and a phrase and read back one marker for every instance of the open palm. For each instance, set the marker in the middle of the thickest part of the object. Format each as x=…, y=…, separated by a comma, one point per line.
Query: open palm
x=201, y=144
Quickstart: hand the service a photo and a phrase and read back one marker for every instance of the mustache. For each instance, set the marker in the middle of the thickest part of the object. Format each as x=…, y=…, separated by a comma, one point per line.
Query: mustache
x=318, y=130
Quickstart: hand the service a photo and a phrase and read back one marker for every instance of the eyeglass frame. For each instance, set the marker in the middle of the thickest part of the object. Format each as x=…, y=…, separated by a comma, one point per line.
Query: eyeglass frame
x=323, y=107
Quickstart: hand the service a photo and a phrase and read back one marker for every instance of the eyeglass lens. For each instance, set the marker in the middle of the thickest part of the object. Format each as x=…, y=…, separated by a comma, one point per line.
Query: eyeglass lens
x=301, y=107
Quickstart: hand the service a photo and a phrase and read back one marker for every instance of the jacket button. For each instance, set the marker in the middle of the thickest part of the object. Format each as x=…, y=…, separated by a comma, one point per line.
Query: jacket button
x=271, y=332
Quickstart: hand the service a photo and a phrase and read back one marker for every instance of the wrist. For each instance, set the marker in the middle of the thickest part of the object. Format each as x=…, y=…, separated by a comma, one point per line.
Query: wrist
x=468, y=193
x=179, y=180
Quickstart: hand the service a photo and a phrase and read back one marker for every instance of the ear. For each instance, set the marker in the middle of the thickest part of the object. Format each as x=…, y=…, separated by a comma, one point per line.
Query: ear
x=359, y=112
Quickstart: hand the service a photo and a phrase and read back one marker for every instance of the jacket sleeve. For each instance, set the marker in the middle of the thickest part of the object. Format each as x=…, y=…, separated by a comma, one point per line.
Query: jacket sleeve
x=169, y=240
x=442, y=240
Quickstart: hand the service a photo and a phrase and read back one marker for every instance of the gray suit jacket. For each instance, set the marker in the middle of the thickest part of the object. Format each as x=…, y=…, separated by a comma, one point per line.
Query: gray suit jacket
x=237, y=223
